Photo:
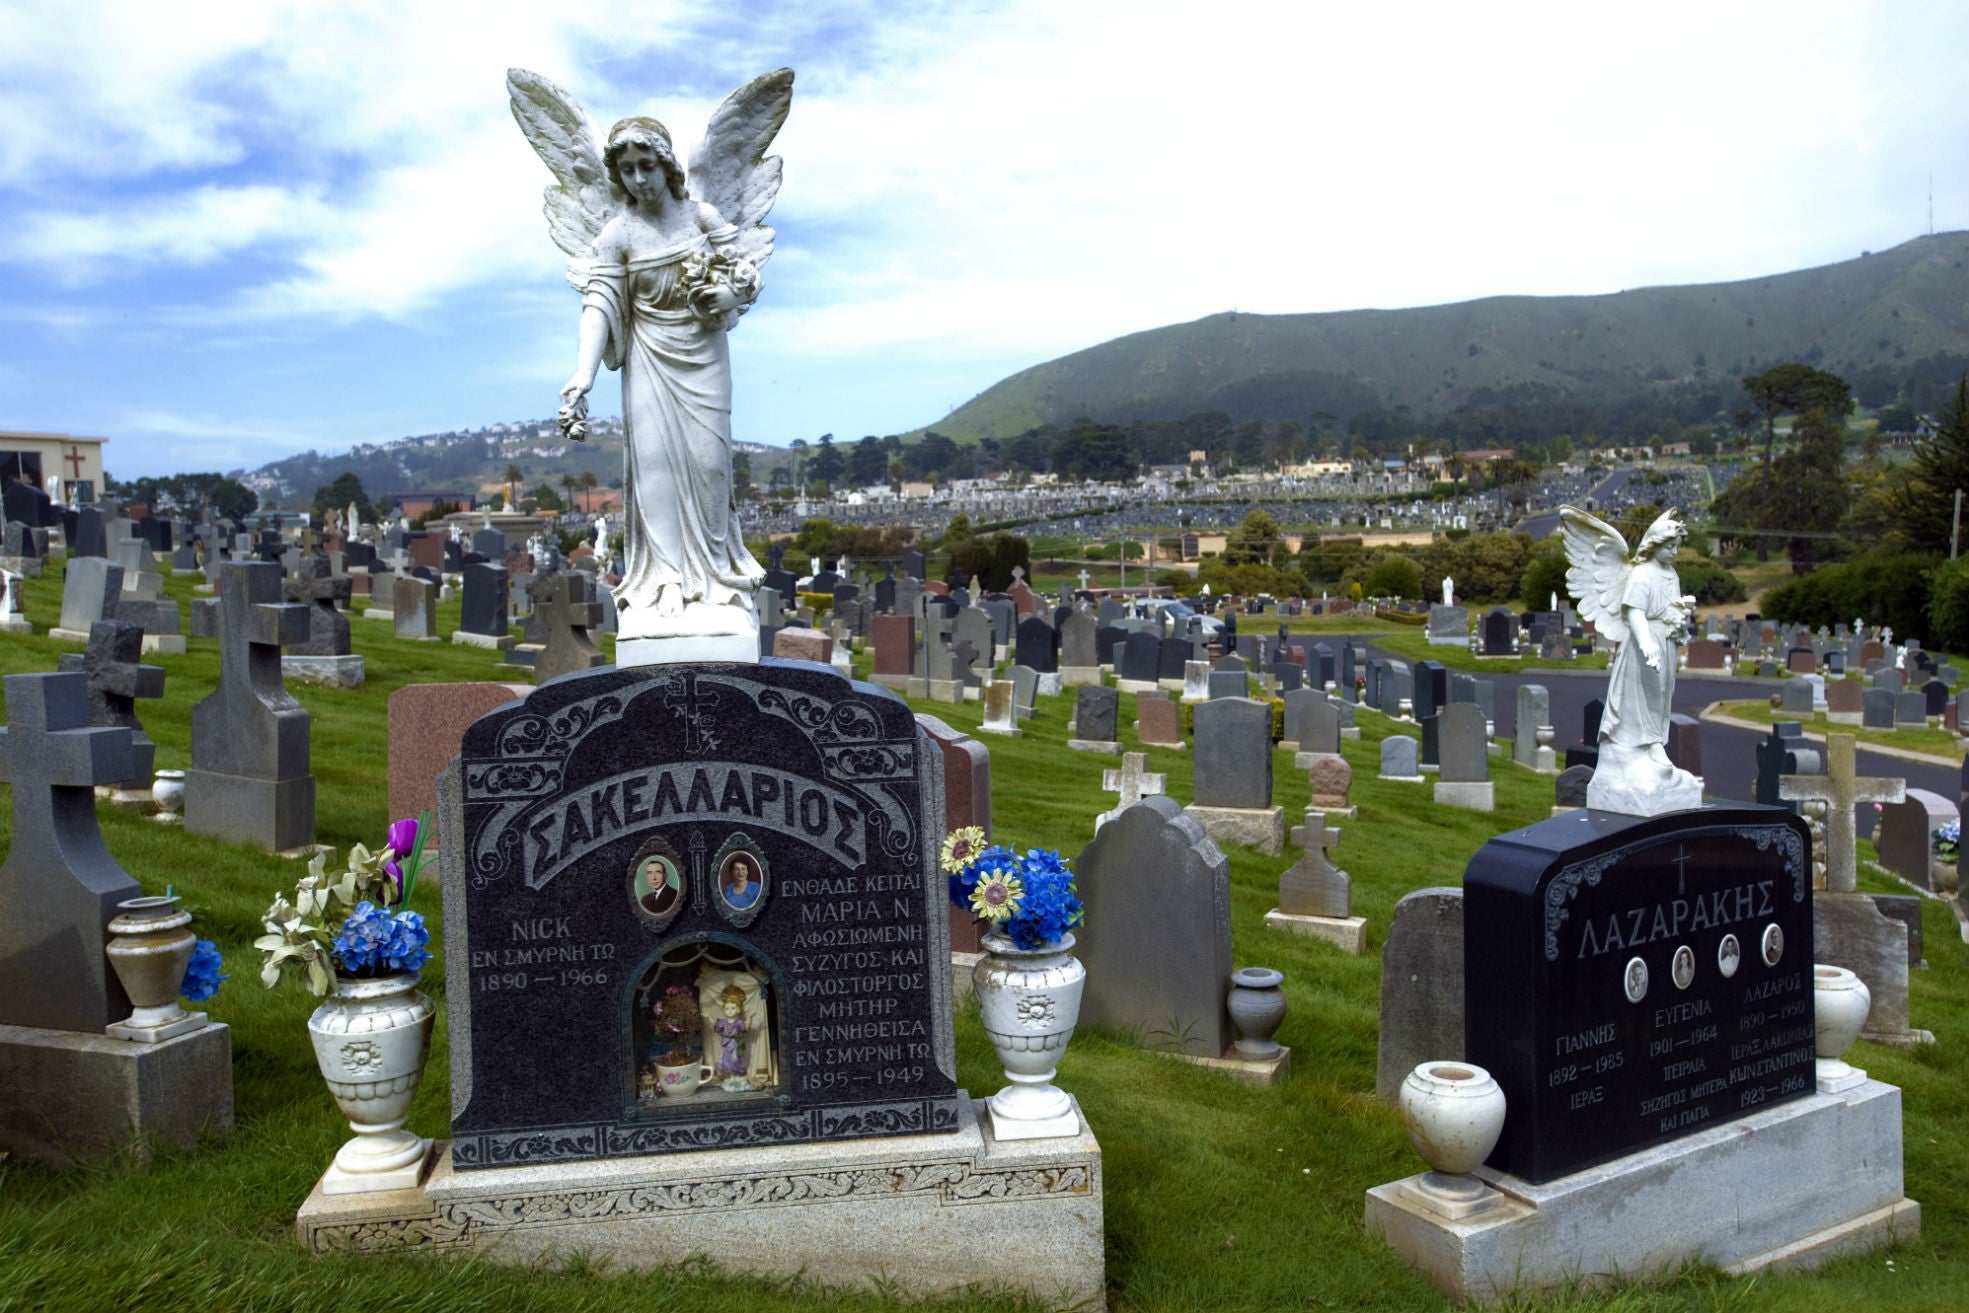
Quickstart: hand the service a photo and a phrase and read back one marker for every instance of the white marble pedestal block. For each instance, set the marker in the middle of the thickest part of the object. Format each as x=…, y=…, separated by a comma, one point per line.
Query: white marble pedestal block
x=491, y=642
x=1805, y=1182
x=1261, y=1073
x=68, y=1097
x=1347, y=933
x=916, y=1214
x=324, y=671
x=1262, y=828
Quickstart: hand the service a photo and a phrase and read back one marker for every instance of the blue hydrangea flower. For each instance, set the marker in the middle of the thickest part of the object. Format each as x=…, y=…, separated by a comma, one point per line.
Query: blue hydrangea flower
x=374, y=940
x=202, y=974
x=1050, y=907
x=993, y=859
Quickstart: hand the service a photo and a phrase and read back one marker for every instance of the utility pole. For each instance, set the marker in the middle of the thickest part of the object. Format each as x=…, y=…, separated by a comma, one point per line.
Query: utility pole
x=1955, y=530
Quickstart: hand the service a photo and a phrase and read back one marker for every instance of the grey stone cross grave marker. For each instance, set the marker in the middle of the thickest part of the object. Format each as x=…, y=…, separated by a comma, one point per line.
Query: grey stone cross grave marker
x=1134, y=782
x=1841, y=789
x=249, y=779
x=59, y=886
x=1313, y=886
x=112, y=665
x=571, y=611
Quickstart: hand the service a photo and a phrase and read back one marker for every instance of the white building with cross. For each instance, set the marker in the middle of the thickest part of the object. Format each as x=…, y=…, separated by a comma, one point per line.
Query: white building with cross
x=51, y=461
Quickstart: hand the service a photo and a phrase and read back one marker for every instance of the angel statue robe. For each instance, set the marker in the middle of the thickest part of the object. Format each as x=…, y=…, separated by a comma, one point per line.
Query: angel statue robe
x=681, y=534
x=1639, y=695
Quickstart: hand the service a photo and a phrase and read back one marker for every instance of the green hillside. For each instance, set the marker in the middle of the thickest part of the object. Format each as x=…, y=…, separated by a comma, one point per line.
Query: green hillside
x=1877, y=314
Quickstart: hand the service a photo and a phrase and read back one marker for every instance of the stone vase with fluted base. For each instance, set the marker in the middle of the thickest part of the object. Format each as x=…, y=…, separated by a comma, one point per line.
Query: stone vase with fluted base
x=1030, y=1002
x=152, y=948
x=372, y=1037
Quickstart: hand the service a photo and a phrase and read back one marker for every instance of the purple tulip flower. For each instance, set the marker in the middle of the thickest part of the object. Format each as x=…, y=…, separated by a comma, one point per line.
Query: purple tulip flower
x=403, y=836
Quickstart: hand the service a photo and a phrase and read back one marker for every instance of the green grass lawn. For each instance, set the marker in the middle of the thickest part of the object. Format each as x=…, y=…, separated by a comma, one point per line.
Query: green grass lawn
x=1935, y=742
x=1217, y=1196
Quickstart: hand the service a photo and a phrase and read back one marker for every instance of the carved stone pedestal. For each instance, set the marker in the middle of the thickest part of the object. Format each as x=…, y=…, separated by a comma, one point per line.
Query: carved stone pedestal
x=916, y=1214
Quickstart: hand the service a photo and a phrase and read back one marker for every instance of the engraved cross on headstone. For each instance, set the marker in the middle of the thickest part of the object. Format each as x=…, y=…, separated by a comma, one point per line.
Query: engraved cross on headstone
x=698, y=707
x=59, y=886
x=1841, y=789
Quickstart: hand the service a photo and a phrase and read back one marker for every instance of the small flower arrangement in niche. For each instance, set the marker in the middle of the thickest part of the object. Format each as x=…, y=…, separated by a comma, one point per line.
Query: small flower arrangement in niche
x=676, y=1021
x=353, y=923
x=1948, y=840
x=1030, y=900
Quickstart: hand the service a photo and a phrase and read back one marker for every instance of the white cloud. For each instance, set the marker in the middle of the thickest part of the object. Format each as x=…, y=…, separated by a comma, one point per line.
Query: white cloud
x=980, y=182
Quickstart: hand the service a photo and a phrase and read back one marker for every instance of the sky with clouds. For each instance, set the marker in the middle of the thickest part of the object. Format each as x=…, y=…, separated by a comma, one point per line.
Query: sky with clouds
x=237, y=231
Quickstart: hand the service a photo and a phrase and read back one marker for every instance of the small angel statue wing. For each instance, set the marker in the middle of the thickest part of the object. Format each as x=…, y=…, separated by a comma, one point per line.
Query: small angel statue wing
x=581, y=201
x=1597, y=570
x=730, y=170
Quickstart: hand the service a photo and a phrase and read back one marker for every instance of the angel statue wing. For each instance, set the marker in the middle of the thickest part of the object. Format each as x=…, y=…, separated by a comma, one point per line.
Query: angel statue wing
x=1596, y=570
x=580, y=202
x=730, y=170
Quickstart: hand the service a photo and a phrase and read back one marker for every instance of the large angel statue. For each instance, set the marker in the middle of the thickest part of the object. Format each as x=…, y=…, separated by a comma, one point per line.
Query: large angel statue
x=1637, y=603
x=666, y=261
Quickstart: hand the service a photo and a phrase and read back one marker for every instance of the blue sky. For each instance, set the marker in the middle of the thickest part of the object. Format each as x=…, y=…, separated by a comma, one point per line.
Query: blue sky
x=238, y=231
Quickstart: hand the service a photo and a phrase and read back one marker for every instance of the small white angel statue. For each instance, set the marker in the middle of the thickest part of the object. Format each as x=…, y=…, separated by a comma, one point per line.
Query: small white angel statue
x=1637, y=603
x=666, y=261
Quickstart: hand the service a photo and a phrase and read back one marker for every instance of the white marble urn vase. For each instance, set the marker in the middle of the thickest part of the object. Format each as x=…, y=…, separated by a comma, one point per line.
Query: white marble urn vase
x=372, y=1037
x=150, y=951
x=167, y=790
x=1030, y=1002
x=1840, y=1004
x=1454, y=1112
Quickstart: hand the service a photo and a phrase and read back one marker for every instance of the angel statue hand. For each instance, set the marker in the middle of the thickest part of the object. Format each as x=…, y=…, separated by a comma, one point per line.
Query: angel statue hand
x=574, y=409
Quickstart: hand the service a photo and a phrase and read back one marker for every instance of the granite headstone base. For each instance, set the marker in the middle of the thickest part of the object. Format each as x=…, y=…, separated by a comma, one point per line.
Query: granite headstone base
x=914, y=1214
x=277, y=815
x=1347, y=933
x=1788, y=1188
x=1075, y=676
x=1471, y=795
x=1106, y=747
x=323, y=671
x=1262, y=828
x=492, y=642
x=69, y=1097
x=1260, y=1073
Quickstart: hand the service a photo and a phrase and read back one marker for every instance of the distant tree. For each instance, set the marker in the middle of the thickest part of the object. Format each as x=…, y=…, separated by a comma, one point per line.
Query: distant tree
x=338, y=495
x=1923, y=504
x=232, y=499
x=868, y=464
x=1394, y=575
x=544, y=498
x=1254, y=540
x=588, y=484
x=1793, y=388
x=512, y=476
x=930, y=457
x=827, y=463
x=1097, y=452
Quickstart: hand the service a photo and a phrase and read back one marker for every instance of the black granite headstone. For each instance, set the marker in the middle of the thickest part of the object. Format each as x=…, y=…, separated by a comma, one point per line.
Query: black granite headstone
x=1635, y=980
x=483, y=610
x=1586, y=752
x=601, y=825
x=1039, y=645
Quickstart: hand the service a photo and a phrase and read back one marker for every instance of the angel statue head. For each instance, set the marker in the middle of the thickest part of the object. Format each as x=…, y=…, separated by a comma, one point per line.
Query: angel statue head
x=647, y=133
x=1666, y=531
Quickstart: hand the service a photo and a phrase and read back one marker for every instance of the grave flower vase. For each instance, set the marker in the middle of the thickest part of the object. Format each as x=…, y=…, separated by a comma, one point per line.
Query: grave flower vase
x=1454, y=1112
x=372, y=1037
x=1030, y=1002
x=150, y=951
x=1840, y=1004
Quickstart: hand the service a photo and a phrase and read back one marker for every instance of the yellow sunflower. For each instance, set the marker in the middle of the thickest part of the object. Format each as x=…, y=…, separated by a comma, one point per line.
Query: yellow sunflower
x=997, y=896
x=961, y=848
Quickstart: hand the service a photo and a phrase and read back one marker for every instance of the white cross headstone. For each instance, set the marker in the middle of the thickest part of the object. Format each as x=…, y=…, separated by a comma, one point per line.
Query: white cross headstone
x=1134, y=782
x=1084, y=576
x=1841, y=789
